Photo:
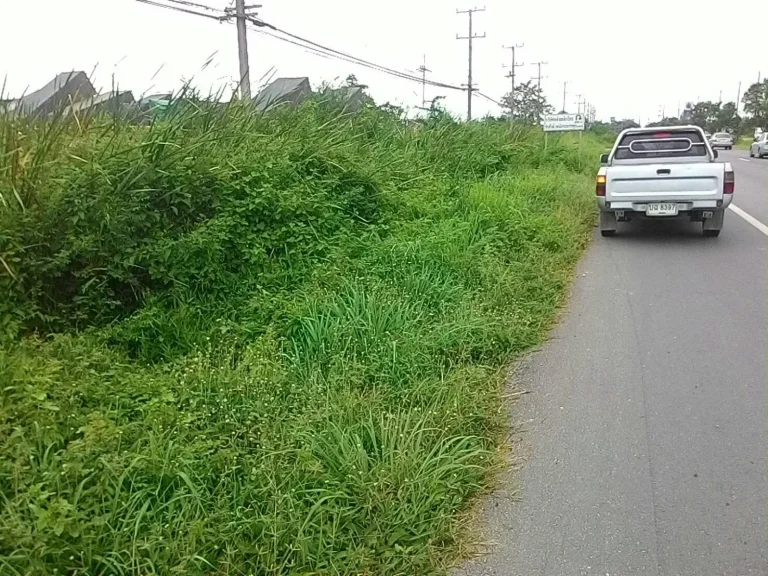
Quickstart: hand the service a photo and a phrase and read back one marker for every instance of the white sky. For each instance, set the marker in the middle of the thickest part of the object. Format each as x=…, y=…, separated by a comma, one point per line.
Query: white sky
x=629, y=58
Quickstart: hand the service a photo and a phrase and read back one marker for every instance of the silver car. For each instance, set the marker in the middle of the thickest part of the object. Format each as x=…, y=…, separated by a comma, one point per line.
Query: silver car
x=721, y=140
x=759, y=147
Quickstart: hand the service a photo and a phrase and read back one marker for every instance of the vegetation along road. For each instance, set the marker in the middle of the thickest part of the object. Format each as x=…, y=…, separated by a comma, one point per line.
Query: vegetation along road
x=246, y=344
x=646, y=431
x=277, y=344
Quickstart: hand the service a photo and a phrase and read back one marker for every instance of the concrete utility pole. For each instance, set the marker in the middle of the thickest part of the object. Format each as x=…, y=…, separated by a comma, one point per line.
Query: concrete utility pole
x=242, y=13
x=423, y=69
x=511, y=74
x=565, y=92
x=470, y=37
x=738, y=97
x=538, y=80
x=242, y=51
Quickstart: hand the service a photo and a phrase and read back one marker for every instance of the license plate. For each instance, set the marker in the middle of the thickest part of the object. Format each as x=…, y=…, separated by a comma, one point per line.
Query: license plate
x=662, y=209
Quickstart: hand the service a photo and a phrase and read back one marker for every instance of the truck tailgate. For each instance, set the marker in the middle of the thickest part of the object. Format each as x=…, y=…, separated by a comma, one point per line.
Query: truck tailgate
x=651, y=182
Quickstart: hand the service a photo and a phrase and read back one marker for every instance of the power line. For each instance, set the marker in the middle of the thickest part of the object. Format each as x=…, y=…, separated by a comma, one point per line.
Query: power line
x=488, y=98
x=354, y=59
x=240, y=15
x=315, y=48
x=179, y=9
x=470, y=37
x=195, y=5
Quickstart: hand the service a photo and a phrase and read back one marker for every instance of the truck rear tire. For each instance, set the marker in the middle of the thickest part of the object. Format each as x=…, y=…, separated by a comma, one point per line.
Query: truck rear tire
x=608, y=223
x=712, y=226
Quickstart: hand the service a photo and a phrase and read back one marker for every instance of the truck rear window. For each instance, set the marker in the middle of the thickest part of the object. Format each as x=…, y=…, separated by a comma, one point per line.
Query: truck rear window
x=656, y=144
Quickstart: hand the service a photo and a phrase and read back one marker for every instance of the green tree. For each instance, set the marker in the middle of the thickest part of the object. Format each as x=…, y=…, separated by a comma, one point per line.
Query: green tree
x=614, y=126
x=756, y=102
x=528, y=104
x=728, y=118
x=705, y=115
x=669, y=121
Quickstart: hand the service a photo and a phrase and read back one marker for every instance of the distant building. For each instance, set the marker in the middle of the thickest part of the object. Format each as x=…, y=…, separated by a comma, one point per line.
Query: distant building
x=352, y=98
x=283, y=92
x=64, y=90
x=110, y=102
x=155, y=102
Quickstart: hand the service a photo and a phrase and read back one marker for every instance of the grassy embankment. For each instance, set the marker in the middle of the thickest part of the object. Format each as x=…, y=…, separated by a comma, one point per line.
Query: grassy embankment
x=743, y=142
x=244, y=345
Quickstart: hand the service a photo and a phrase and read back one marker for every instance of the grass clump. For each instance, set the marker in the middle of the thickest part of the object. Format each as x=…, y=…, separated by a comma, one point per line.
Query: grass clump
x=235, y=344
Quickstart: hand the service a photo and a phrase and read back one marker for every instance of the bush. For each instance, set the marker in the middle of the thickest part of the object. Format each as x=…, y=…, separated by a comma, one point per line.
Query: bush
x=266, y=345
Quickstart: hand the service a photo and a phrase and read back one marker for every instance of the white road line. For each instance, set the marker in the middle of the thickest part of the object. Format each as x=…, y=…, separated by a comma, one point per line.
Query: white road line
x=744, y=159
x=751, y=219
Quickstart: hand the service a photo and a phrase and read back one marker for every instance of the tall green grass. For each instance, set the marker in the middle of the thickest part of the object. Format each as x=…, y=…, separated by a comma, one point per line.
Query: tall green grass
x=235, y=344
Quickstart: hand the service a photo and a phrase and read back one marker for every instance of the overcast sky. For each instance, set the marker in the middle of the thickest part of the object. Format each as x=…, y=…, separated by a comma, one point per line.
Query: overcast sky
x=629, y=61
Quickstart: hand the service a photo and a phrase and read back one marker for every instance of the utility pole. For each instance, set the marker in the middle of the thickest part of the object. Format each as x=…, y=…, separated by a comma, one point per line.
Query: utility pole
x=242, y=13
x=511, y=74
x=538, y=80
x=423, y=69
x=242, y=51
x=579, y=103
x=565, y=92
x=720, y=98
x=738, y=97
x=470, y=37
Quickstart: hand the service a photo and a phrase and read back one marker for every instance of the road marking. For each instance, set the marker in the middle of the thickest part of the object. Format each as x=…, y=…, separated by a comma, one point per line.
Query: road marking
x=751, y=219
x=744, y=159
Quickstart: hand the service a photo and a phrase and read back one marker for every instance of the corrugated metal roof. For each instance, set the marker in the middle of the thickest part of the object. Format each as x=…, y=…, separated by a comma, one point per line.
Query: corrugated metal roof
x=64, y=88
x=103, y=100
x=351, y=97
x=283, y=91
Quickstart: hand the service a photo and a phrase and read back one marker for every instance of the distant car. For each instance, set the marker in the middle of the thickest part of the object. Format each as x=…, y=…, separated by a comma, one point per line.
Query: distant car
x=708, y=136
x=759, y=147
x=721, y=140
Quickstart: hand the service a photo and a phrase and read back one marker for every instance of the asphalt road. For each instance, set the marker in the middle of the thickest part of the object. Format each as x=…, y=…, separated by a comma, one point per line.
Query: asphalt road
x=645, y=434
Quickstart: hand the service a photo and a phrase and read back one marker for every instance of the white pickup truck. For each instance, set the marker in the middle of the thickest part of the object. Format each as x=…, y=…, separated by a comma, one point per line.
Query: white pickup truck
x=663, y=173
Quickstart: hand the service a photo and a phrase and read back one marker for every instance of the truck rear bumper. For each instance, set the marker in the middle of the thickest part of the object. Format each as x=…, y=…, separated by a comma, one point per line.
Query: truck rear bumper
x=682, y=206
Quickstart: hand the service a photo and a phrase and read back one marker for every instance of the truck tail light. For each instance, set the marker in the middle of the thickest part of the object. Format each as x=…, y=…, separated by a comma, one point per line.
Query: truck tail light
x=600, y=185
x=729, y=182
